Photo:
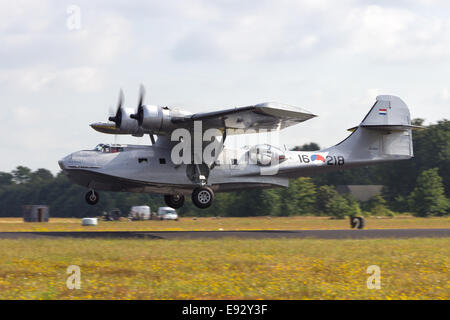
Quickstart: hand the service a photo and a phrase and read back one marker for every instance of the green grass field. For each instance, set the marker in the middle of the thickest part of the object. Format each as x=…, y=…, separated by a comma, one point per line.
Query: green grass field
x=225, y=269
x=254, y=223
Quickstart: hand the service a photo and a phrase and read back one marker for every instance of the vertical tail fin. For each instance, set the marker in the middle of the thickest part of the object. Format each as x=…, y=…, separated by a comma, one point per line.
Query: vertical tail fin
x=388, y=111
x=383, y=135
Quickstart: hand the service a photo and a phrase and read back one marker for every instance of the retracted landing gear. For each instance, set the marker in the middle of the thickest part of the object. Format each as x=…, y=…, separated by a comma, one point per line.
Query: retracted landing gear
x=357, y=222
x=202, y=197
x=175, y=201
x=92, y=197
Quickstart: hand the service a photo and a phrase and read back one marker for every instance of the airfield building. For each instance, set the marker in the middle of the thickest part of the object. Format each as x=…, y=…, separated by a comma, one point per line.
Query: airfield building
x=35, y=213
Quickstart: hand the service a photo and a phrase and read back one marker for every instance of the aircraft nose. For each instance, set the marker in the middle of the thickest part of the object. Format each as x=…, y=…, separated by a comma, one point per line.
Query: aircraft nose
x=63, y=162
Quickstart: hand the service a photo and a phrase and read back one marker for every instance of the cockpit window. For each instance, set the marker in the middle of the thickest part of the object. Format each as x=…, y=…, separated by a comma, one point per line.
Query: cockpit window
x=106, y=148
x=99, y=148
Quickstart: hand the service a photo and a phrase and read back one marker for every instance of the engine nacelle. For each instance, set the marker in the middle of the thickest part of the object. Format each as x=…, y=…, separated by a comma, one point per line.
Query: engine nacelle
x=156, y=119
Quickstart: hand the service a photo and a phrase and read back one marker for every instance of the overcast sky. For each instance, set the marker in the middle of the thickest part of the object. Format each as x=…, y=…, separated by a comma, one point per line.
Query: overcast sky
x=330, y=57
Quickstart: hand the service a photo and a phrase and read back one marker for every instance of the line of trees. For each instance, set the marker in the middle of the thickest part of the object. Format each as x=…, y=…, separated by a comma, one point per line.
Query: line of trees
x=420, y=186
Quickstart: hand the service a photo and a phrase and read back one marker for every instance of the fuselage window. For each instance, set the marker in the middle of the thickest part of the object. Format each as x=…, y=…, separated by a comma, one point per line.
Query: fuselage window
x=234, y=162
x=140, y=160
x=162, y=160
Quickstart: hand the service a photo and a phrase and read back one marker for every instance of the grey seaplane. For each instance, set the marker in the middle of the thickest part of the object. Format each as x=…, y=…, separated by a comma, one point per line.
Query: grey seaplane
x=188, y=155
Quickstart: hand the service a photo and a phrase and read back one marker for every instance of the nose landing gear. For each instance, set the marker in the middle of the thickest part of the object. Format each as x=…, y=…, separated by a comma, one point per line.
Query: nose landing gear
x=92, y=197
x=202, y=197
x=175, y=201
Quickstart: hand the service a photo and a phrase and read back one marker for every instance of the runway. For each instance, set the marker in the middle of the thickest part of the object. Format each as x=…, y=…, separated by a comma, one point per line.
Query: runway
x=251, y=234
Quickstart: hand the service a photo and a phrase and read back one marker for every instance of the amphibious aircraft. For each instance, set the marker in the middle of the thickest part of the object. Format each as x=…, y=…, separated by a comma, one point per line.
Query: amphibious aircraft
x=187, y=158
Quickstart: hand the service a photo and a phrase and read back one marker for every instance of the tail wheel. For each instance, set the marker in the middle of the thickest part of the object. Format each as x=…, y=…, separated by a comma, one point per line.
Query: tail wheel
x=175, y=201
x=357, y=222
x=203, y=197
x=353, y=221
x=362, y=223
x=92, y=197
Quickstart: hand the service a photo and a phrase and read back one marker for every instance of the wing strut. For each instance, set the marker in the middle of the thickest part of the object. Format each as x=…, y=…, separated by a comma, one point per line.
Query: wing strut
x=152, y=138
x=224, y=137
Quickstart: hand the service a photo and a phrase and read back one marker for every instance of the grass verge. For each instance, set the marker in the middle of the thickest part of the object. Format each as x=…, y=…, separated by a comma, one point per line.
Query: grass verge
x=225, y=269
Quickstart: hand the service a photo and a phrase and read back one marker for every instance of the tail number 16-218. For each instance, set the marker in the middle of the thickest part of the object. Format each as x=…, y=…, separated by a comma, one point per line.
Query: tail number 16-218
x=335, y=160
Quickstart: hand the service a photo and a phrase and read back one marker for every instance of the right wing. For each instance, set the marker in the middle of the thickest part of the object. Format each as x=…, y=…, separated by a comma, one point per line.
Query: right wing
x=268, y=116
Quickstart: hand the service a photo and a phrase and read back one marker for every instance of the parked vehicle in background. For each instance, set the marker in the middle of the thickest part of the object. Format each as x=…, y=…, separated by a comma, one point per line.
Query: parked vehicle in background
x=140, y=213
x=113, y=215
x=89, y=221
x=167, y=213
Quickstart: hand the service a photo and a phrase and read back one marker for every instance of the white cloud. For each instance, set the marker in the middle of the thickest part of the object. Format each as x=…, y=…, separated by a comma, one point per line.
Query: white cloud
x=397, y=35
x=299, y=30
x=38, y=79
x=445, y=95
x=104, y=39
x=35, y=34
x=287, y=30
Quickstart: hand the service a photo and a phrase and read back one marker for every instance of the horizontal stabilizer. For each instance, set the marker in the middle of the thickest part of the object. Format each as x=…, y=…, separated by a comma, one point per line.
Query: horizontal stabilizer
x=388, y=127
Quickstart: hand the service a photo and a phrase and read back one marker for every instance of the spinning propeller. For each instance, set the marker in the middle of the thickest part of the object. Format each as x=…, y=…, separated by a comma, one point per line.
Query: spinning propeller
x=117, y=119
x=122, y=122
x=139, y=115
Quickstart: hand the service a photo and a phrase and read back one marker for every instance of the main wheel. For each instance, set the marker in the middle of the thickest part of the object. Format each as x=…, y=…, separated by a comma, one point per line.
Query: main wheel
x=175, y=201
x=92, y=197
x=202, y=197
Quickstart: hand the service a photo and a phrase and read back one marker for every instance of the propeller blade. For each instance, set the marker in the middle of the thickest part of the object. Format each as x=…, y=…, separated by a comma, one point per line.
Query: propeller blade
x=141, y=95
x=139, y=112
x=120, y=103
x=117, y=119
x=152, y=138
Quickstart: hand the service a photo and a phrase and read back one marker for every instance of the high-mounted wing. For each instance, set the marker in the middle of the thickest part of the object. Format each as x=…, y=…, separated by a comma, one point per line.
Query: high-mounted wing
x=268, y=116
x=158, y=120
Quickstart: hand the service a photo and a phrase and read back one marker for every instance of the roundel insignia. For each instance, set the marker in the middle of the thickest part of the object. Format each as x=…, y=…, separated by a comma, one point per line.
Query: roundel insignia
x=315, y=157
